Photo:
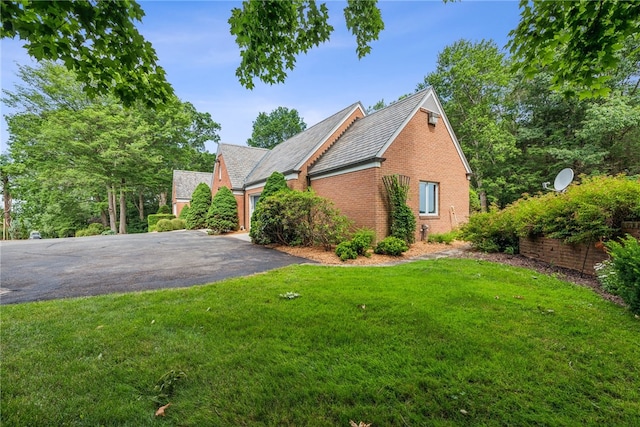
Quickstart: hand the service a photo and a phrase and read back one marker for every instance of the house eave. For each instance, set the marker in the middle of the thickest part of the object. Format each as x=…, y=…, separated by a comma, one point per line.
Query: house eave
x=374, y=162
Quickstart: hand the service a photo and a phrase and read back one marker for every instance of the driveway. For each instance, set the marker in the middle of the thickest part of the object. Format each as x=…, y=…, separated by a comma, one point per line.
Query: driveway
x=33, y=270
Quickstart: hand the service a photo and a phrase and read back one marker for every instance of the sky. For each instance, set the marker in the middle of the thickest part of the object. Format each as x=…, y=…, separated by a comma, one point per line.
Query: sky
x=200, y=57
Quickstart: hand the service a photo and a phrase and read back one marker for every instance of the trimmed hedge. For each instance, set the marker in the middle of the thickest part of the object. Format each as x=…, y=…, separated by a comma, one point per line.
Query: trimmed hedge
x=153, y=220
x=164, y=225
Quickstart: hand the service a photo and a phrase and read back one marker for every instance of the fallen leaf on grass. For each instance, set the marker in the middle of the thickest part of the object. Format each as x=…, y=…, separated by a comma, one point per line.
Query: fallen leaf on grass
x=360, y=424
x=518, y=297
x=160, y=411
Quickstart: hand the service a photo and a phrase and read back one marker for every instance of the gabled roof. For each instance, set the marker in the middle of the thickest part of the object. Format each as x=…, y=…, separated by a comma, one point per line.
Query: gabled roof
x=240, y=161
x=186, y=182
x=290, y=154
x=369, y=137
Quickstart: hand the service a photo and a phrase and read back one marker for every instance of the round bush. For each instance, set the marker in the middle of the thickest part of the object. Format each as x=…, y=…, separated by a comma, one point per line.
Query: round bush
x=164, y=225
x=391, y=246
x=346, y=251
x=178, y=224
x=362, y=240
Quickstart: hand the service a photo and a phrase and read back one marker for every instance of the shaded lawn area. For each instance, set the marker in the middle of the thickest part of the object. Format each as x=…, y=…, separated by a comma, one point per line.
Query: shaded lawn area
x=442, y=342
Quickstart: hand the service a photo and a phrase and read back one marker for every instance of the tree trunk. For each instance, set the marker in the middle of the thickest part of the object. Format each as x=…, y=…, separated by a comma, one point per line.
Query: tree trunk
x=112, y=208
x=482, y=193
x=6, y=221
x=123, y=210
x=163, y=198
x=141, y=209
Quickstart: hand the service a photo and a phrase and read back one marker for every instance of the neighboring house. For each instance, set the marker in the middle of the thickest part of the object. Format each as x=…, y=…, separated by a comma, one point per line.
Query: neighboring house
x=184, y=183
x=344, y=157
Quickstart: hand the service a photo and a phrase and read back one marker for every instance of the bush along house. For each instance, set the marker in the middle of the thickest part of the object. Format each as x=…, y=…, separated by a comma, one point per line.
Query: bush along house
x=346, y=156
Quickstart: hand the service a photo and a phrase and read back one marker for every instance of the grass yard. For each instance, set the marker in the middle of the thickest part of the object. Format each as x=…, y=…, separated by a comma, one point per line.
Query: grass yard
x=444, y=342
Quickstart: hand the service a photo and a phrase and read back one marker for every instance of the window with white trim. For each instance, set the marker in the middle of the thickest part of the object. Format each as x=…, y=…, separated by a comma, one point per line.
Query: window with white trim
x=428, y=198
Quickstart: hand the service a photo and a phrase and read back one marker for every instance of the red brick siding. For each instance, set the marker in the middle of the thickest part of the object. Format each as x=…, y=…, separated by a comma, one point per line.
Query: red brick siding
x=359, y=196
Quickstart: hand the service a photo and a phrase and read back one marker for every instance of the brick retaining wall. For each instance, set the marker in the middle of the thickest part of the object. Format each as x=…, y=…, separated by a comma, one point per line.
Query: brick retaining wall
x=579, y=257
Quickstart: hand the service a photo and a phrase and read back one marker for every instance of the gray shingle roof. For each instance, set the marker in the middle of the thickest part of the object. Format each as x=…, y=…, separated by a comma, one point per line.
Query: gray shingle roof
x=187, y=181
x=365, y=139
x=285, y=156
x=240, y=161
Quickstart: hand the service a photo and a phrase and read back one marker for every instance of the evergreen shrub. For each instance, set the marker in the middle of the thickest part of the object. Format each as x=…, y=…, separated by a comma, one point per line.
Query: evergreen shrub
x=178, y=224
x=223, y=213
x=200, y=204
x=164, y=225
x=184, y=212
x=153, y=220
x=164, y=209
x=345, y=251
x=391, y=246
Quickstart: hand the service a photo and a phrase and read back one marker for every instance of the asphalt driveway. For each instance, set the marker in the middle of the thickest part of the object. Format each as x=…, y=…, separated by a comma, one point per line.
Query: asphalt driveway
x=33, y=270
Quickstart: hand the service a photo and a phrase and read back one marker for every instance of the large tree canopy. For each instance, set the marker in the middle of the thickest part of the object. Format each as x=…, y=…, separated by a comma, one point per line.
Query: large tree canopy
x=98, y=40
x=270, y=33
x=271, y=129
x=578, y=41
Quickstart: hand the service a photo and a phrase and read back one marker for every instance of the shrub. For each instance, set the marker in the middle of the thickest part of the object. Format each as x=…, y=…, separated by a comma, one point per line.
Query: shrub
x=223, y=213
x=606, y=274
x=200, y=203
x=591, y=211
x=297, y=218
x=164, y=225
x=178, y=224
x=447, y=238
x=94, y=229
x=391, y=246
x=184, y=212
x=276, y=182
x=153, y=220
x=345, y=251
x=625, y=256
x=164, y=209
x=362, y=240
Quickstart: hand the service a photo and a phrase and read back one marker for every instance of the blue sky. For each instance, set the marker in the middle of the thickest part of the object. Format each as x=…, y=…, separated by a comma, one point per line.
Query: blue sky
x=200, y=56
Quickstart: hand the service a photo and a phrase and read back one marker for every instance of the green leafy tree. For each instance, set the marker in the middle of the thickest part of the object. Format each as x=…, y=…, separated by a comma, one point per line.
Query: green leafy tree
x=223, y=213
x=578, y=42
x=271, y=129
x=473, y=82
x=199, y=207
x=98, y=40
x=83, y=159
x=271, y=34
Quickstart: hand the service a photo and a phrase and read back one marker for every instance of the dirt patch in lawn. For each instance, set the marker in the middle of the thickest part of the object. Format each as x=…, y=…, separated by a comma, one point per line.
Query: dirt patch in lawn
x=423, y=250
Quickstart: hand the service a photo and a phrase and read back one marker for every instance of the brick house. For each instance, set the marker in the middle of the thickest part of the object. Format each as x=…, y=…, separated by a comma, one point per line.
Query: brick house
x=184, y=184
x=345, y=156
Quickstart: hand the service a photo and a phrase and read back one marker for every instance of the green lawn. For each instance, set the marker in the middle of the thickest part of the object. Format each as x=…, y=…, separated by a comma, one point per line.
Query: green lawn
x=445, y=342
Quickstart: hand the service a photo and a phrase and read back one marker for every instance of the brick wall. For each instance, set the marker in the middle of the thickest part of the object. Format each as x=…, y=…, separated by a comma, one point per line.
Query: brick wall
x=427, y=153
x=422, y=152
x=358, y=195
x=631, y=227
x=579, y=257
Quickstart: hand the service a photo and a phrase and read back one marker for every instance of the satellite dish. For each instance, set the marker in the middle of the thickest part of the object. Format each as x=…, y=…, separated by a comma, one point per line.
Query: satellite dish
x=563, y=179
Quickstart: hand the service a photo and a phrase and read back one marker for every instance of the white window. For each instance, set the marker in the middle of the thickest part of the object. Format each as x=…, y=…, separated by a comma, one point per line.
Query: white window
x=428, y=198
